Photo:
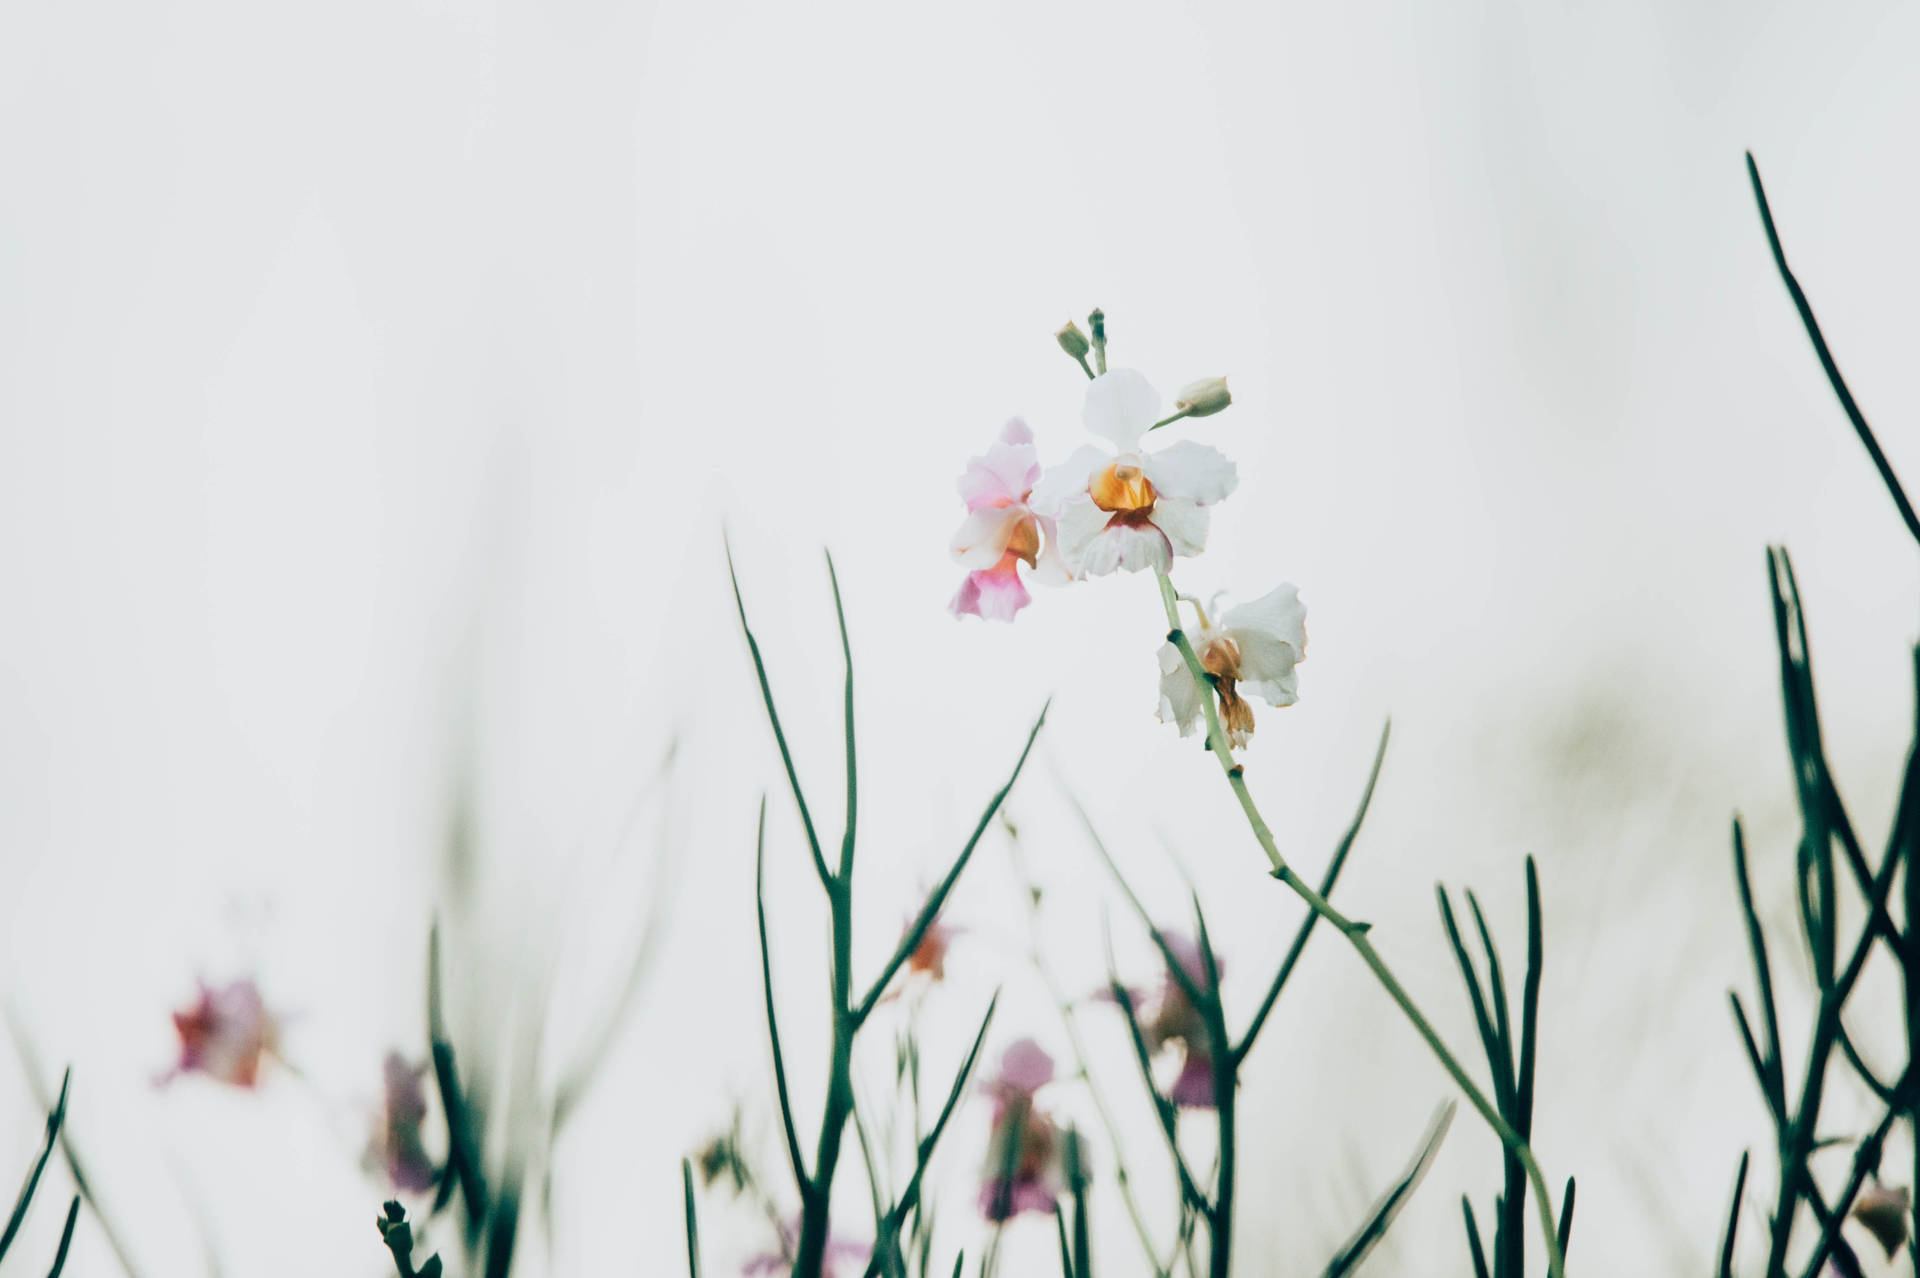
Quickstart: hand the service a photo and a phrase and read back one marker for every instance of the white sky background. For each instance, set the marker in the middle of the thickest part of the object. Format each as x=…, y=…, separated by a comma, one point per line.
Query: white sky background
x=366, y=365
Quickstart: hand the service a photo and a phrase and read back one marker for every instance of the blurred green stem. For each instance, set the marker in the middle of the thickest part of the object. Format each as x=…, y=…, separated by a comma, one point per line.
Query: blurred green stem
x=1356, y=933
x=1069, y=1021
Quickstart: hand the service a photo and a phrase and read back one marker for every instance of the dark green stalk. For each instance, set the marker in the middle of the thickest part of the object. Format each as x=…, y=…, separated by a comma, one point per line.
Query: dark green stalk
x=1798, y=1139
x=1839, y=384
x=1473, y=1240
x=794, y=1157
x=1225, y=1084
x=66, y=1238
x=25, y=1199
x=693, y=1220
x=1733, y=1219
x=817, y=1193
x=463, y=1140
x=1865, y=1158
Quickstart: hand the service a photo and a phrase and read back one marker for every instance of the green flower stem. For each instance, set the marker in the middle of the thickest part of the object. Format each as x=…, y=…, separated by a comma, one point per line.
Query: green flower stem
x=1356, y=933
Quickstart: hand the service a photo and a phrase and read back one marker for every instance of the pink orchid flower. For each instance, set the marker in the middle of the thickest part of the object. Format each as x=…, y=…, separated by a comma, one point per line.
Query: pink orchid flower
x=1001, y=531
x=224, y=1034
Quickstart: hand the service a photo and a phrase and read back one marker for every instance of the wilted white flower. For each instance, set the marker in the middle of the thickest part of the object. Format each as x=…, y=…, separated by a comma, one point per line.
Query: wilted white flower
x=1253, y=649
x=1124, y=507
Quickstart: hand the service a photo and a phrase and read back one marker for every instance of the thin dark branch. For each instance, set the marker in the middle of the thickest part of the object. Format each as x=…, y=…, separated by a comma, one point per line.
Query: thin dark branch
x=773, y=1020
x=1834, y=379
x=779, y=736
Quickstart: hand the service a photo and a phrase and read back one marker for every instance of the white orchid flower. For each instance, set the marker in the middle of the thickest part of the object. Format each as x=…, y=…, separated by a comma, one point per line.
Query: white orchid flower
x=1254, y=649
x=1124, y=507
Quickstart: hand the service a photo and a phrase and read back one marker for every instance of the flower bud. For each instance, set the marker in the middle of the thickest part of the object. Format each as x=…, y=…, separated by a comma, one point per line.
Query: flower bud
x=1884, y=1213
x=1072, y=340
x=1204, y=398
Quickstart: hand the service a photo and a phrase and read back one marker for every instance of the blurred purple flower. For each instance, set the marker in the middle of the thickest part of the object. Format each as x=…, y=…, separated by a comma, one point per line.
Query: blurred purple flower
x=779, y=1262
x=397, y=1149
x=224, y=1034
x=1023, y=1171
x=1171, y=1017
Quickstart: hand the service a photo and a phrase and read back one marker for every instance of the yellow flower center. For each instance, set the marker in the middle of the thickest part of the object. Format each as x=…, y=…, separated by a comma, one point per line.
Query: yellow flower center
x=1025, y=541
x=1221, y=659
x=1125, y=492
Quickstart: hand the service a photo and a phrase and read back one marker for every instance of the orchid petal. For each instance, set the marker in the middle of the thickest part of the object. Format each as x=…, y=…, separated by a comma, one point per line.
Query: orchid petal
x=1184, y=525
x=1055, y=489
x=982, y=537
x=1195, y=472
x=1122, y=406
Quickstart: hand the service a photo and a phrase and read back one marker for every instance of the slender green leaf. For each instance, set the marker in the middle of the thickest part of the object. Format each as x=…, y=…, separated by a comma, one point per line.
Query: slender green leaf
x=1162, y=1107
x=1772, y=1077
x=1307, y=924
x=938, y=898
x=1473, y=1240
x=463, y=1138
x=1387, y=1207
x=1175, y=968
x=779, y=735
x=1839, y=384
x=794, y=1157
x=1731, y=1235
x=923, y=1154
x=693, y=1220
x=66, y=1238
x=25, y=1199
x=853, y=768
x=1489, y=1036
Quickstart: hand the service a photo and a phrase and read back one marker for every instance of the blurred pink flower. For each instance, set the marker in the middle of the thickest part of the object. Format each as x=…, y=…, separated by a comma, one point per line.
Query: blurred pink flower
x=1001, y=531
x=1023, y=1138
x=224, y=1034
x=397, y=1149
x=1171, y=1017
x=839, y=1251
x=929, y=958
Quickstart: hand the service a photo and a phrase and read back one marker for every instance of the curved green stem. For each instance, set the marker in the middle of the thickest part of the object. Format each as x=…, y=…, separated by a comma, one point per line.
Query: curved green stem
x=1356, y=933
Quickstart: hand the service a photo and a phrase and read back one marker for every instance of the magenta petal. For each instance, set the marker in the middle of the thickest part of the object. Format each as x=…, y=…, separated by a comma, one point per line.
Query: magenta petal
x=1194, y=1088
x=1000, y=1201
x=967, y=601
x=992, y=594
x=1026, y=1067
